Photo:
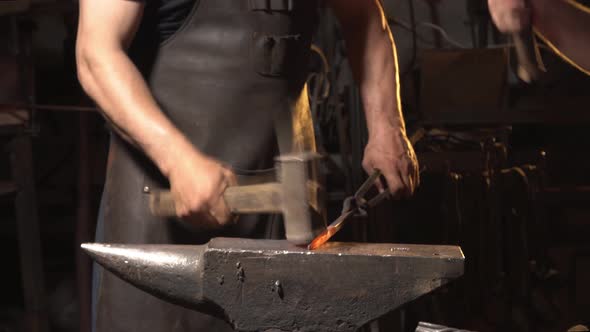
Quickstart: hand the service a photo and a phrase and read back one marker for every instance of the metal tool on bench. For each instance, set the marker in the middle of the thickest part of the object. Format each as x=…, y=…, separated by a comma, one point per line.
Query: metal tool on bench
x=294, y=194
x=273, y=285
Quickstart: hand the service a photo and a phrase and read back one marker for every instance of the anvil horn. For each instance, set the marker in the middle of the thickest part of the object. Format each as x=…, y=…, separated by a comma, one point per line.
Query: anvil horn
x=261, y=285
x=171, y=272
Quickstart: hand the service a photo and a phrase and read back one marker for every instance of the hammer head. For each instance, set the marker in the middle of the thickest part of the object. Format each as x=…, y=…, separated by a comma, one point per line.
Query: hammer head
x=302, y=198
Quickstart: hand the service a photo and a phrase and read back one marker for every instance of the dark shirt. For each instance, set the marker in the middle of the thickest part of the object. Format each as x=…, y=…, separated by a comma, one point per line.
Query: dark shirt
x=167, y=16
x=161, y=19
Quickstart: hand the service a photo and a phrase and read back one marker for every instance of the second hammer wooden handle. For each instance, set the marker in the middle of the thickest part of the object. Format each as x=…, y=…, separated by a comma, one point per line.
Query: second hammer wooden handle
x=529, y=69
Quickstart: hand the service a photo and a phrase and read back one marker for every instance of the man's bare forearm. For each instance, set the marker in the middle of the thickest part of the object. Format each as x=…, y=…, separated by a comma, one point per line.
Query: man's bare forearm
x=113, y=81
x=373, y=58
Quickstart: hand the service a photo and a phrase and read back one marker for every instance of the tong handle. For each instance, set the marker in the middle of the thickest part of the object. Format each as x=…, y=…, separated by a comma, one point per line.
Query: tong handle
x=378, y=199
x=359, y=202
x=366, y=186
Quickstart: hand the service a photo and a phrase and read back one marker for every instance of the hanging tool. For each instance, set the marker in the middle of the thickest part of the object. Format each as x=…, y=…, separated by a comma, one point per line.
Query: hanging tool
x=529, y=64
x=530, y=67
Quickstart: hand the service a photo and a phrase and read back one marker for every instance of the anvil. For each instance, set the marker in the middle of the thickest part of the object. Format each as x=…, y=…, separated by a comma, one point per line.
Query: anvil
x=272, y=285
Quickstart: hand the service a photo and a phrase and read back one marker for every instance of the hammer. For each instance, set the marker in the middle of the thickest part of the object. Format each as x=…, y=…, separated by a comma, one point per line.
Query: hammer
x=529, y=67
x=294, y=195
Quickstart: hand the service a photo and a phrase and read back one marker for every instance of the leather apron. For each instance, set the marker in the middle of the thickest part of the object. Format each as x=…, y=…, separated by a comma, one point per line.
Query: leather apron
x=232, y=73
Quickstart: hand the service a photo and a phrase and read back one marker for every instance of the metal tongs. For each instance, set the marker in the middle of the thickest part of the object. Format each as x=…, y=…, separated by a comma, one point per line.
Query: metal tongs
x=356, y=205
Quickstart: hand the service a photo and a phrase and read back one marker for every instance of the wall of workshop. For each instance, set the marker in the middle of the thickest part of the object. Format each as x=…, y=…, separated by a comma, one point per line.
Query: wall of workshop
x=56, y=167
x=49, y=29
x=454, y=19
x=55, y=80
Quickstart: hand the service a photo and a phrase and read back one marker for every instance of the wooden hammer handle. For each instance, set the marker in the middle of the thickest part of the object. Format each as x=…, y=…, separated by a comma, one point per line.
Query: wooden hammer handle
x=529, y=69
x=259, y=198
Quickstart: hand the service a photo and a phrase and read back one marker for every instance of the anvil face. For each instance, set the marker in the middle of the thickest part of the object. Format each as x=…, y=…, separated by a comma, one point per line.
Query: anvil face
x=260, y=285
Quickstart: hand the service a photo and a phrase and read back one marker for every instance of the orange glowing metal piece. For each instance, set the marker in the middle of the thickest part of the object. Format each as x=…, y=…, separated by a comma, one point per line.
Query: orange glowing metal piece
x=332, y=229
x=351, y=205
x=322, y=238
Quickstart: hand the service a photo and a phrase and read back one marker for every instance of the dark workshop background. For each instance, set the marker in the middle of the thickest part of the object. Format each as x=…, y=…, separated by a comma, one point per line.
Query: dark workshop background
x=504, y=169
